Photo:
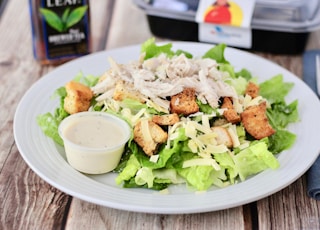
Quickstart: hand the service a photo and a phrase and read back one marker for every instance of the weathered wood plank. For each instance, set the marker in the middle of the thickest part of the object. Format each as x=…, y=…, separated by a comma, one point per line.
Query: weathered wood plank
x=28, y=202
x=108, y=218
x=290, y=208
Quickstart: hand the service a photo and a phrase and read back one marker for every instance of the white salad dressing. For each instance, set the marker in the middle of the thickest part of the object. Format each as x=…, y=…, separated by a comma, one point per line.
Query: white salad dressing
x=94, y=132
x=94, y=141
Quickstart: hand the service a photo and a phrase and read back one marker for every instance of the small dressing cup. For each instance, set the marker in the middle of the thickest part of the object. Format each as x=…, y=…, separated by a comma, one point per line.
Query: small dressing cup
x=94, y=141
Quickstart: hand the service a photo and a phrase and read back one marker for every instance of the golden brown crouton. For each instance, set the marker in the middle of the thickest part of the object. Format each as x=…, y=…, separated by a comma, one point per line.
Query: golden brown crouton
x=148, y=136
x=230, y=114
x=168, y=119
x=122, y=92
x=223, y=136
x=255, y=121
x=78, y=97
x=252, y=90
x=184, y=102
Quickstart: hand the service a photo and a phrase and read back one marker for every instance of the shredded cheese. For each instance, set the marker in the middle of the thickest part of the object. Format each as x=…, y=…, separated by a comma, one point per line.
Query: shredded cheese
x=232, y=130
x=146, y=131
x=154, y=158
x=202, y=162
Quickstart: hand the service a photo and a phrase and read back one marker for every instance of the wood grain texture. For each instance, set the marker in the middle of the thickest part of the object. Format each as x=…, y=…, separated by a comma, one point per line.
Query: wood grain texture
x=284, y=210
x=27, y=201
x=107, y=218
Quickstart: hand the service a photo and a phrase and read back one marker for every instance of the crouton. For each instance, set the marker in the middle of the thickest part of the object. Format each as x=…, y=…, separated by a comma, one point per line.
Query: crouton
x=168, y=119
x=223, y=136
x=230, y=113
x=184, y=102
x=123, y=91
x=255, y=121
x=148, y=136
x=252, y=90
x=78, y=97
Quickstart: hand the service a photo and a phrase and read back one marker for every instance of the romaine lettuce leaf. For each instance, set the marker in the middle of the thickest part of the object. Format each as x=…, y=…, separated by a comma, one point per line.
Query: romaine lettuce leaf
x=226, y=67
x=280, y=114
x=136, y=106
x=281, y=140
x=254, y=159
x=49, y=122
x=132, y=167
x=275, y=89
x=151, y=49
x=239, y=84
x=217, y=53
x=49, y=126
x=199, y=177
x=88, y=80
x=225, y=160
x=246, y=74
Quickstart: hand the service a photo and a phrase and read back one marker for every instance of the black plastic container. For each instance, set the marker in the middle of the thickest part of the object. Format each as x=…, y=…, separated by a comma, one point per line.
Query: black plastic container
x=281, y=28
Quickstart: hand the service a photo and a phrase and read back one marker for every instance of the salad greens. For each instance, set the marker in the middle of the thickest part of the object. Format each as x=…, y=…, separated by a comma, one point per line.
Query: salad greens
x=178, y=160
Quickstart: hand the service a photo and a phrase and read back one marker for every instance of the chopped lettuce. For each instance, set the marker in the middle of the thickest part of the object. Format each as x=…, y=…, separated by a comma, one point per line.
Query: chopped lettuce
x=254, y=159
x=151, y=49
x=88, y=80
x=49, y=126
x=244, y=73
x=281, y=115
x=226, y=161
x=239, y=84
x=132, y=167
x=199, y=177
x=281, y=140
x=275, y=89
x=49, y=122
x=217, y=53
x=136, y=106
x=187, y=54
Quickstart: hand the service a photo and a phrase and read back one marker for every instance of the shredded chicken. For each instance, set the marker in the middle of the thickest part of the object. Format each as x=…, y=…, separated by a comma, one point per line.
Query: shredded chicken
x=160, y=77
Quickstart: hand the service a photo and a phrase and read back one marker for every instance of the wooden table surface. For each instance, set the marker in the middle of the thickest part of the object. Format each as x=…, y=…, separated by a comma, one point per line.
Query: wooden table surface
x=28, y=202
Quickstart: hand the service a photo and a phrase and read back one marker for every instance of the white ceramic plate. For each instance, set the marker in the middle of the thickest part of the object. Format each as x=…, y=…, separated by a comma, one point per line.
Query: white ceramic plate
x=49, y=162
